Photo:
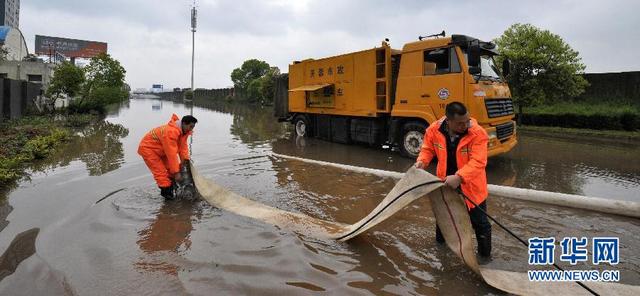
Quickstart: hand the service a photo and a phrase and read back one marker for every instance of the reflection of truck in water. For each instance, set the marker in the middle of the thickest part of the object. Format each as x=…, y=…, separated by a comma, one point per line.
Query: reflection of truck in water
x=384, y=96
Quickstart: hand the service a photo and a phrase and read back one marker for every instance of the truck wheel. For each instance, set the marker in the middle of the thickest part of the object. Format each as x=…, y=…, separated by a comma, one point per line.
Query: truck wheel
x=302, y=126
x=412, y=136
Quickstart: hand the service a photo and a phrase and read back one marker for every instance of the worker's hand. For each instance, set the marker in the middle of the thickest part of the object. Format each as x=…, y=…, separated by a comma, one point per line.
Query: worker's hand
x=453, y=181
x=177, y=177
x=420, y=165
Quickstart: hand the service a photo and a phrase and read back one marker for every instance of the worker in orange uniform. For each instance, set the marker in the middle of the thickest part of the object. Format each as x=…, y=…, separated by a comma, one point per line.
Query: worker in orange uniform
x=164, y=149
x=460, y=145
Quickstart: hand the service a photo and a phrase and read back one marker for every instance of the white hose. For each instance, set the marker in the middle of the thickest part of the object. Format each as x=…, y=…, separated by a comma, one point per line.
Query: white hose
x=597, y=204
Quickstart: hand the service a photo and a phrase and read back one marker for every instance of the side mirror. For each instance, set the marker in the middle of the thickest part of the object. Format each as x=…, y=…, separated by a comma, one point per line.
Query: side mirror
x=474, y=70
x=474, y=56
x=506, y=67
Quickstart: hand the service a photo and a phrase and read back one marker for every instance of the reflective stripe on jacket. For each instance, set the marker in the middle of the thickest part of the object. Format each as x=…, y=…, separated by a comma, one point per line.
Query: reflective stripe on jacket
x=471, y=157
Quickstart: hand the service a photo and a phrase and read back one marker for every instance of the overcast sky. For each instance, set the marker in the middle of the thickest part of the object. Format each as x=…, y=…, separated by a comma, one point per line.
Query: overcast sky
x=152, y=39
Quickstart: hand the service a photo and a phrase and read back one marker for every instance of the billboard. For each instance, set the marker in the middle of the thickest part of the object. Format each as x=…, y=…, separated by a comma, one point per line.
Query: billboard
x=46, y=45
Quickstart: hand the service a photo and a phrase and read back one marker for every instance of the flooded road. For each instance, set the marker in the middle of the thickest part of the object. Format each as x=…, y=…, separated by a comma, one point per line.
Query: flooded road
x=91, y=220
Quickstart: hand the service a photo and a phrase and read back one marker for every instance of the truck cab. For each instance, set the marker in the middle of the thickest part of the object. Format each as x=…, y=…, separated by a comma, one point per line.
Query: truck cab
x=436, y=72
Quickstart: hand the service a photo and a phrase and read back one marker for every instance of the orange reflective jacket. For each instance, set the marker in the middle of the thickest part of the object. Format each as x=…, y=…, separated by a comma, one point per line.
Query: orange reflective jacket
x=471, y=157
x=168, y=141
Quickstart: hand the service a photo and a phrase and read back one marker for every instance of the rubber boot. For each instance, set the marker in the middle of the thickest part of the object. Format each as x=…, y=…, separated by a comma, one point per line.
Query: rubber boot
x=484, y=244
x=439, y=236
x=167, y=192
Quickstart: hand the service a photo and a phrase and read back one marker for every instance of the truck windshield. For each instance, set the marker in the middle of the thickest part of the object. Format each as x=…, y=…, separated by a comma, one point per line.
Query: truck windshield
x=488, y=67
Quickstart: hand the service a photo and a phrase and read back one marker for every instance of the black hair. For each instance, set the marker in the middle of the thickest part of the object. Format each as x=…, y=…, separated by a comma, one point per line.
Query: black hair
x=187, y=119
x=455, y=109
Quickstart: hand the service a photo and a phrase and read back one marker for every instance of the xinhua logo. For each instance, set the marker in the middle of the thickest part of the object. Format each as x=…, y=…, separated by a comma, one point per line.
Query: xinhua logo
x=604, y=250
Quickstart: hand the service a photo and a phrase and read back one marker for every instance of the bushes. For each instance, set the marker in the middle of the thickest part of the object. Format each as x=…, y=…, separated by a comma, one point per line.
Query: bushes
x=576, y=115
x=188, y=95
x=32, y=138
x=40, y=147
x=98, y=99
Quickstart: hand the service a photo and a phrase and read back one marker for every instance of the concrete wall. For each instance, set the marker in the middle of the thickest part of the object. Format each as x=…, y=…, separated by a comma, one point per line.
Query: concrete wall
x=281, y=100
x=200, y=93
x=16, y=102
x=220, y=93
x=613, y=87
x=2, y=100
x=18, y=98
x=20, y=70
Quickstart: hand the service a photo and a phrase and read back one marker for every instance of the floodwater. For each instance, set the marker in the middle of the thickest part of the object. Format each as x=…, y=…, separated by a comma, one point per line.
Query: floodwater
x=90, y=221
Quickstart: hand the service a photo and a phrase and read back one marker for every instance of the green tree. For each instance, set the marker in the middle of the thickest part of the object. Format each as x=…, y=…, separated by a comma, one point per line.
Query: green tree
x=254, y=89
x=104, y=84
x=544, y=69
x=268, y=85
x=67, y=80
x=249, y=71
x=104, y=71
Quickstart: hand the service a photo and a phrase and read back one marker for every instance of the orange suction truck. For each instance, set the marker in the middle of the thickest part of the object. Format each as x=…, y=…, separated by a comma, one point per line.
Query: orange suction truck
x=388, y=97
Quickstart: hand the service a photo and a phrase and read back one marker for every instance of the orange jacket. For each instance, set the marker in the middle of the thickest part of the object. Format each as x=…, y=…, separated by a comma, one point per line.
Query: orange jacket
x=471, y=157
x=168, y=141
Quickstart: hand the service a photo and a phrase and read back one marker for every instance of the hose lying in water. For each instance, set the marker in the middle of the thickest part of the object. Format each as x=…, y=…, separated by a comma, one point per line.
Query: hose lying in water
x=610, y=206
x=451, y=215
x=520, y=239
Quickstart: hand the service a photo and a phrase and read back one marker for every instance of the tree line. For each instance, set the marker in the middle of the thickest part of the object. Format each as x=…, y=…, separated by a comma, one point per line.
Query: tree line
x=543, y=69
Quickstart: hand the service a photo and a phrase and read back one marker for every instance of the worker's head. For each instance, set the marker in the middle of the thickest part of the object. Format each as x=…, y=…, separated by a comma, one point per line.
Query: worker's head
x=188, y=123
x=457, y=117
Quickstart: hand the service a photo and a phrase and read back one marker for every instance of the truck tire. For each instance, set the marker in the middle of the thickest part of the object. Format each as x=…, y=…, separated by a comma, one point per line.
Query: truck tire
x=412, y=135
x=302, y=126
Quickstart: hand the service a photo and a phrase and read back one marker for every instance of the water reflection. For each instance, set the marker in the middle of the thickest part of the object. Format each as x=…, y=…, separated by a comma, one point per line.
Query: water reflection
x=168, y=233
x=569, y=166
x=115, y=109
x=252, y=124
x=548, y=176
x=21, y=247
x=99, y=146
x=358, y=155
x=5, y=210
x=398, y=256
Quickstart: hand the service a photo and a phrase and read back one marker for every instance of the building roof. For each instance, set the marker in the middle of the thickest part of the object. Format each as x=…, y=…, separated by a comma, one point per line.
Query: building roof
x=13, y=41
x=4, y=31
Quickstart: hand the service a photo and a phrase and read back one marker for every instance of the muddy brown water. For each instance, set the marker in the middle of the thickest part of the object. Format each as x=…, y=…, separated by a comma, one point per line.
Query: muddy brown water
x=55, y=239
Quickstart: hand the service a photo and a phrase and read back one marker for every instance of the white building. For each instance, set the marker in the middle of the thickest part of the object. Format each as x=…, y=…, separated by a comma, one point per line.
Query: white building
x=12, y=40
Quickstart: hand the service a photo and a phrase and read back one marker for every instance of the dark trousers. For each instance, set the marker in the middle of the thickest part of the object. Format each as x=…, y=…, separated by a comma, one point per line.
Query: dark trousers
x=481, y=226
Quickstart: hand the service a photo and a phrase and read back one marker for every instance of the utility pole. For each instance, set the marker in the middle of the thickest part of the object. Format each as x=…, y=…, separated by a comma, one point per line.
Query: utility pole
x=194, y=14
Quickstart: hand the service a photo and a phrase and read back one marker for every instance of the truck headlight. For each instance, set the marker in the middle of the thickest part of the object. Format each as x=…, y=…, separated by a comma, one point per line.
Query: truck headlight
x=492, y=138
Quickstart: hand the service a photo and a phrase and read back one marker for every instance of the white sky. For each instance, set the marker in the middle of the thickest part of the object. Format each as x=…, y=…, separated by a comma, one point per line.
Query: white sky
x=152, y=39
